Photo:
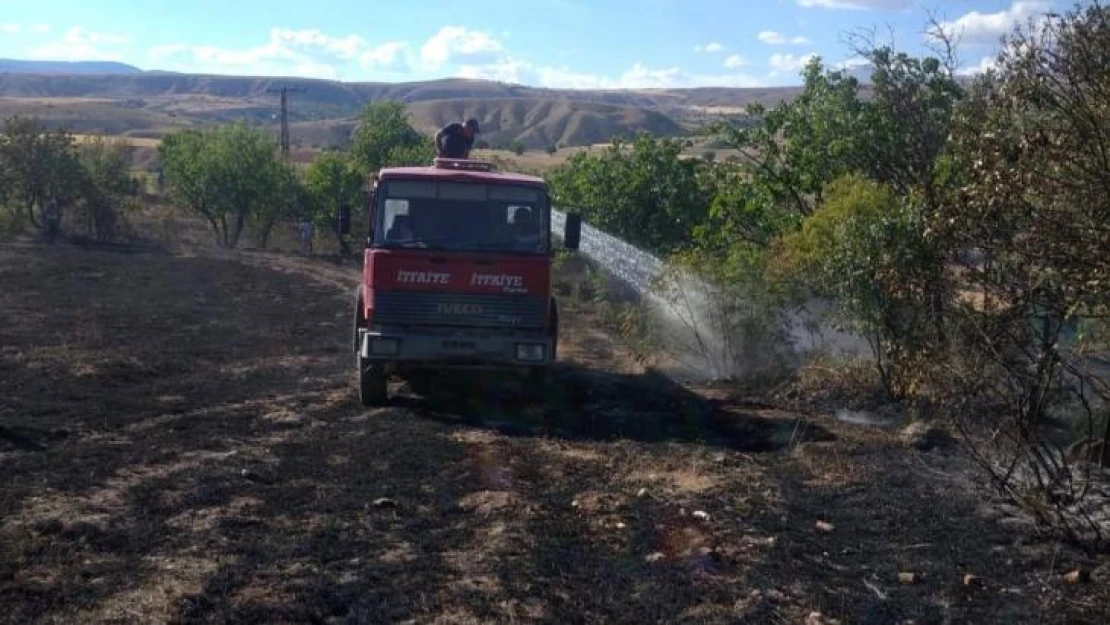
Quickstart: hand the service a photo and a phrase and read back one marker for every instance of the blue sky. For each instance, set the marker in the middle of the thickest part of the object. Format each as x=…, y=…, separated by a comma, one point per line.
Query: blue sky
x=551, y=43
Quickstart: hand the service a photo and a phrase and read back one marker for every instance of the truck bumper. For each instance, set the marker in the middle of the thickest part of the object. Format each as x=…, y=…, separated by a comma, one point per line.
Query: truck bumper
x=461, y=350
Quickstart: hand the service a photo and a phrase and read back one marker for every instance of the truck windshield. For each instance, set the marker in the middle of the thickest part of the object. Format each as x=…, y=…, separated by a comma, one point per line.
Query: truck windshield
x=458, y=216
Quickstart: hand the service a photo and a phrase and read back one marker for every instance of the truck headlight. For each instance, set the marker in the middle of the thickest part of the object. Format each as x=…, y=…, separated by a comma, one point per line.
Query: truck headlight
x=532, y=352
x=384, y=347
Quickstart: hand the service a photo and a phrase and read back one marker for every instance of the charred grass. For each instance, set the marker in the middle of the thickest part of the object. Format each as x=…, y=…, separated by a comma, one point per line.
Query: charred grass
x=181, y=443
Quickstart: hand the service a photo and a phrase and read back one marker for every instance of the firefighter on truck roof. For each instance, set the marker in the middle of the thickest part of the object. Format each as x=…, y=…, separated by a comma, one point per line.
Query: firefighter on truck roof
x=455, y=140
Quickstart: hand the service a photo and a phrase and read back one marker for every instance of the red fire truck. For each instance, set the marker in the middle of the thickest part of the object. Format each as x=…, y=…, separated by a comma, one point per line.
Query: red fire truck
x=456, y=274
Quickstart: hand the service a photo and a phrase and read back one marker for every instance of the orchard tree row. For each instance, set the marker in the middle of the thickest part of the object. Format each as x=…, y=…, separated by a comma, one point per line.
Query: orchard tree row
x=47, y=177
x=961, y=225
x=234, y=177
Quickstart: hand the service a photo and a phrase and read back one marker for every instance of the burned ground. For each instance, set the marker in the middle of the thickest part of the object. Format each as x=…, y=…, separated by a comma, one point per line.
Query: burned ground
x=181, y=443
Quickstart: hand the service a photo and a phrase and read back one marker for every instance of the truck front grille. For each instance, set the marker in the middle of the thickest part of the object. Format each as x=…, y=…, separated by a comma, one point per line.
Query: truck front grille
x=453, y=309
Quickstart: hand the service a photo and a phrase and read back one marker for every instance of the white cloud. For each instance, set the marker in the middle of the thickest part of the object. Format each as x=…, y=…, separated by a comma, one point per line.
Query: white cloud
x=307, y=53
x=41, y=28
x=80, y=35
x=854, y=63
x=788, y=63
x=286, y=53
x=856, y=5
x=638, y=77
x=735, y=61
x=344, y=48
x=985, y=64
x=710, y=48
x=988, y=28
x=313, y=53
x=453, y=43
x=385, y=55
x=82, y=44
x=773, y=38
x=449, y=51
x=10, y=28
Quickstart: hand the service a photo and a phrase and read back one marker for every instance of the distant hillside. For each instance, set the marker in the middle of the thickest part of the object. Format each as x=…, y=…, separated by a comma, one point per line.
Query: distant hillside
x=540, y=122
x=354, y=94
x=17, y=66
x=322, y=112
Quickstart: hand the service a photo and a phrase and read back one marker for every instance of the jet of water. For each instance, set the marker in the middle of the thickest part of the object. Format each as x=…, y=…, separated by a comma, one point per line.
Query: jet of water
x=623, y=260
x=705, y=334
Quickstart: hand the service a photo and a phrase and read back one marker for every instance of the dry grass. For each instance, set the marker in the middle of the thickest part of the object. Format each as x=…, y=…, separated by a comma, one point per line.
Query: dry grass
x=181, y=443
x=137, y=142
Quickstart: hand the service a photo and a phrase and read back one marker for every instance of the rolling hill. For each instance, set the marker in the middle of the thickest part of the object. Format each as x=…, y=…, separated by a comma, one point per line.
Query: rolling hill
x=19, y=66
x=322, y=112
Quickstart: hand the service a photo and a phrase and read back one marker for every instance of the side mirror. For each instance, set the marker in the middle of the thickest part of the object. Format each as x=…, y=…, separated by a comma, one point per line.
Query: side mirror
x=344, y=220
x=572, y=232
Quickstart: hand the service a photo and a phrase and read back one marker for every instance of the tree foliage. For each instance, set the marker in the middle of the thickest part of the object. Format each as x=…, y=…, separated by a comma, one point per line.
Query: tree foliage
x=866, y=249
x=89, y=183
x=384, y=138
x=105, y=183
x=332, y=181
x=647, y=194
x=231, y=175
x=962, y=229
x=41, y=165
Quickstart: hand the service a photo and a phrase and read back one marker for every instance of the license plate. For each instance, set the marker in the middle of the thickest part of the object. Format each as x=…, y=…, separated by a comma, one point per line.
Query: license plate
x=458, y=346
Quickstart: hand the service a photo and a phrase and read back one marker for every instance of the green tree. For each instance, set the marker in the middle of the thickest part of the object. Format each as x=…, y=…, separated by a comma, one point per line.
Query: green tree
x=649, y=196
x=41, y=165
x=285, y=198
x=230, y=175
x=802, y=145
x=384, y=137
x=332, y=182
x=106, y=184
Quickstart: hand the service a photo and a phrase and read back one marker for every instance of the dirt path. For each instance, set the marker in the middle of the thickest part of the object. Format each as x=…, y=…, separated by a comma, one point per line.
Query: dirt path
x=181, y=443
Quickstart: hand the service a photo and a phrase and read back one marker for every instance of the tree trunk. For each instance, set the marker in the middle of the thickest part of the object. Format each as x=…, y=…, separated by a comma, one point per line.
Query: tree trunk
x=240, y=220
x=30, y=203
x=264, y=233
x=1104, y=457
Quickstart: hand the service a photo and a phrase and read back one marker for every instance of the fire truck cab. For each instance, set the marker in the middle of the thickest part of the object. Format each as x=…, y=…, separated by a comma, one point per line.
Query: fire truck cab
x=456, y=274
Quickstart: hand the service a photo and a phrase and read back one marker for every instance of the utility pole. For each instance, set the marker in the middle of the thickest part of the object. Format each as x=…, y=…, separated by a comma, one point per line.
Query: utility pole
x=285, y=116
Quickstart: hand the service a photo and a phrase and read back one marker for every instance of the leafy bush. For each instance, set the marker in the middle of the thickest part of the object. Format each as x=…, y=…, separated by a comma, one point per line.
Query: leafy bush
x=866, y=250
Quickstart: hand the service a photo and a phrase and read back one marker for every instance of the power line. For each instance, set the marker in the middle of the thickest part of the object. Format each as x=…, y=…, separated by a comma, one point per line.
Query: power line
x=285, y=91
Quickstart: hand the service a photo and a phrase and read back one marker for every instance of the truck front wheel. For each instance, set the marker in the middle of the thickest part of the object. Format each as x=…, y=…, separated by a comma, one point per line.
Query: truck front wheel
x=373, y=381
x=536, y=383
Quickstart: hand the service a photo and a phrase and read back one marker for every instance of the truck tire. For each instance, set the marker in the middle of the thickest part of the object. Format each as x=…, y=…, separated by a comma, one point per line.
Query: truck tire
x=536, y=384
x=373, y=382
x=359, y=322
x=554, y=330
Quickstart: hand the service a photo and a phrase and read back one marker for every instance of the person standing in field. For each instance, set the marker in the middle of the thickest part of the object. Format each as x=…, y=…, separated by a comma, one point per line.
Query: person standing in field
x=306, y=236
x=455, y=140
x=53, y=217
